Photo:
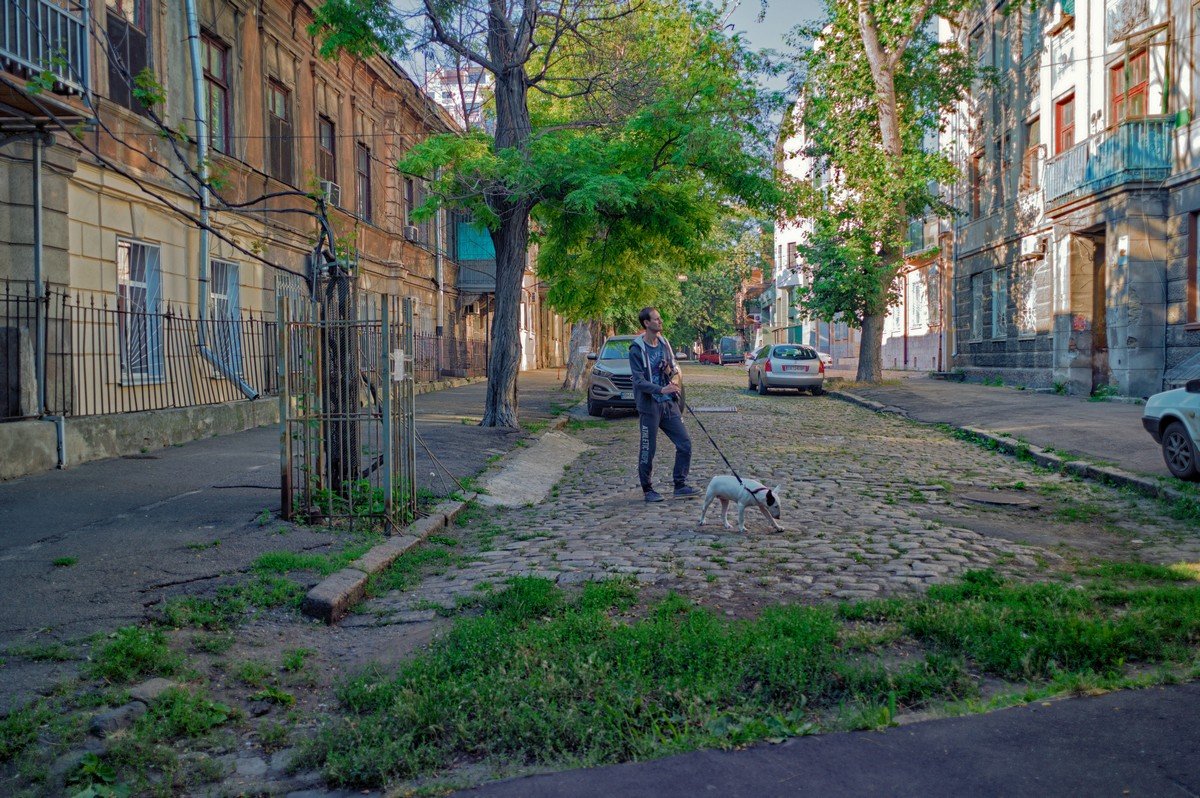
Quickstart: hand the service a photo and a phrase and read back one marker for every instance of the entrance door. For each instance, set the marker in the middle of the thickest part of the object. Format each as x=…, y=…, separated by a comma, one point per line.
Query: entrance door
x=1100, y=369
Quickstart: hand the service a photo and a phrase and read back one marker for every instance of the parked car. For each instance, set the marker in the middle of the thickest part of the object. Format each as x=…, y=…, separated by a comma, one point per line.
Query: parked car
x=826, y=358
x=1173, y=419
x=683, y=354
x=712, y=358
x=786, y=366
x=610, y=384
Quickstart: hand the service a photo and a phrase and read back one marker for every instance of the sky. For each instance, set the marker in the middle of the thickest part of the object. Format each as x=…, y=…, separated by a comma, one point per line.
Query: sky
x=781, y=16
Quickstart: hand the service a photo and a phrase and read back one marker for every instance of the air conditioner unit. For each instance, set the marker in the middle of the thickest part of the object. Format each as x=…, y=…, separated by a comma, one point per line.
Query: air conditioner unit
x=332, y=192
x=412, y=232
x=1033, y=247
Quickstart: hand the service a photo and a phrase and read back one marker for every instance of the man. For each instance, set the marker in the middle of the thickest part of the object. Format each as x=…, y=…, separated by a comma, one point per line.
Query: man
x=659, y=405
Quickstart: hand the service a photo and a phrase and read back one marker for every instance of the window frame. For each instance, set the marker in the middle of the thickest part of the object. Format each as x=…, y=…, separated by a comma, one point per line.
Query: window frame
x=363, y=205
x=281, y=156
x=125, y=31
x=975, y=178
x=226, y=337
x=1031, y=176
x=1121, y=93
x=975, y=330
x=326, y=155
x=127, y=313
x=1060, y=129
x=208, y=44
x=1000, y=303
x=1192, y=308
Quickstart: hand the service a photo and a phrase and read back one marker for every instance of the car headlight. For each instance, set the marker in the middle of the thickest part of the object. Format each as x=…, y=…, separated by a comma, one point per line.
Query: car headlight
x=599, y=372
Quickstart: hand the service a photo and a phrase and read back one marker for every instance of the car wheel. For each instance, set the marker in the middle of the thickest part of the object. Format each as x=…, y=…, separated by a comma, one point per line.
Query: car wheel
x=595, y=408
x=1179, y=452
x=762, y=386
x=817, y=390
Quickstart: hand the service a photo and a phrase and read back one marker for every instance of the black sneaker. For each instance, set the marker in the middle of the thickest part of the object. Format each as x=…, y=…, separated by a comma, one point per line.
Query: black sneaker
x=653, y=496
x=686, y=492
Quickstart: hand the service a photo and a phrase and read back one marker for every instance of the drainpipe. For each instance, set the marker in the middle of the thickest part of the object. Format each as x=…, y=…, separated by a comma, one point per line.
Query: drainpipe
x=38, y=277
x=439, y=265
x=193, y=28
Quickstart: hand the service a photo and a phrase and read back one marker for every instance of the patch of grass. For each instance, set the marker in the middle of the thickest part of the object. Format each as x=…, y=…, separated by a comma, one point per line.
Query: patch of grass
x=132, y=652
x=19, y=728
x=1104, y=392
x=274, y=695
x=180, y=713
x=294, y=659
x=410, y=567
x=285, y=562
x=64, y=562
x=1081, y=512
x=43, y=652
x=576, y=424
x=201, y=545
x=214, y=643
x=263, y=518
x=273, y=736
x=251, y=673
x=232, y=603
x=535, y=427
x=540, y=677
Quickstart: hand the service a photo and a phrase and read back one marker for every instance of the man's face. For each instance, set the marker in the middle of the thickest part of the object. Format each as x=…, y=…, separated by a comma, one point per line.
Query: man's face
x=654, y=323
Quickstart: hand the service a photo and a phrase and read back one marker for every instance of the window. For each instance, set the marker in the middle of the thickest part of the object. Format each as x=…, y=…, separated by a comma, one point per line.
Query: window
x=1004, y=157
x=1064, y=124
x=1031, y=31
x=1031, y=176
x=1193, y=271
x=918, y=301
x=975, y=176
x=1127, y=88
x=1000, y=303
x=1002, y=38
x=976, y=331
x=127, y=23
x=362, y=168
x=139, y=323
x=326, y=149
x=279, y=129
x=225, y=312
x=791, y=254
x=215, y=59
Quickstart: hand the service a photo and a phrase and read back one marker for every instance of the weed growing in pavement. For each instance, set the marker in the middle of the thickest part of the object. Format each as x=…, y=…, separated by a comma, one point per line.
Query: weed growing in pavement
x=64, y=562
x=1102, y=393
x=201, y=545
x=263, y=518
x=577, y=424
x=294, y=659
x=215, y=643
x=251, y=673
x=274, y=695
x=43, y=652
x=132, y=652
x=994, y=382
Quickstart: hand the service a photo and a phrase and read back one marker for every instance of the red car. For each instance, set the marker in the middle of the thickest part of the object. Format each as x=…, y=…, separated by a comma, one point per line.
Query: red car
x=710, y=357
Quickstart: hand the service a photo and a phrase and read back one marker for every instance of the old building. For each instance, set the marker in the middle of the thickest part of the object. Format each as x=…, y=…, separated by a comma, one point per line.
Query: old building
x=1075, y=255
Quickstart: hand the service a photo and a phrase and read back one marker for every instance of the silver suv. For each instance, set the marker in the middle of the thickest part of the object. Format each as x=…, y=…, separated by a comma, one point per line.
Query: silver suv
x=610, y=383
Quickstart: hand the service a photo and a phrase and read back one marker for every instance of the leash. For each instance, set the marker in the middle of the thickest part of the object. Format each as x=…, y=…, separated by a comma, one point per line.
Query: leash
x=753, y=494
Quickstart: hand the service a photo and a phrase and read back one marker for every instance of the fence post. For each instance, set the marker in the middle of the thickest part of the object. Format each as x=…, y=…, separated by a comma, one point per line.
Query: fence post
x=285, y=437
x=385, y=390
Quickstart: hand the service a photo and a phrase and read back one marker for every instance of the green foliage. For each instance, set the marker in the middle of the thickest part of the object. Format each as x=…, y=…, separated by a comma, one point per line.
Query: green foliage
x=132, y=652
x=64, y=562
x=95, y=778
x=181, y=713
x=147, y=89
x=884, y=175
x=19, y=729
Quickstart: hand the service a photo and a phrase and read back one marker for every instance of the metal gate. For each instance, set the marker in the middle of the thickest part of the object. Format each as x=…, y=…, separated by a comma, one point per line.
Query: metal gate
x=346, y=406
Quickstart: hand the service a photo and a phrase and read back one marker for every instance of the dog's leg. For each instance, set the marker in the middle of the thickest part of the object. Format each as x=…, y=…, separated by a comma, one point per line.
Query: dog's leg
x=704, y=510
x=741, y=517
x=725, y=512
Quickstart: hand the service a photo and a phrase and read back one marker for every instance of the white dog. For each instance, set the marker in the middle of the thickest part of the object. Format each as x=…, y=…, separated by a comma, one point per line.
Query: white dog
x=747, y=493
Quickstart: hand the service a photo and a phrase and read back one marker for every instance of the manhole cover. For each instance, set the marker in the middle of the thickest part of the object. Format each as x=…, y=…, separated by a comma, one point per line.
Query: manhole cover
x=714, y=409
x=999, y=498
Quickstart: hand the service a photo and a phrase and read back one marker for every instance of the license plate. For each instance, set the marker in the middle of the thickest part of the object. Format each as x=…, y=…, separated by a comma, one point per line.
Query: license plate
x=622, y=396
x=795, y=368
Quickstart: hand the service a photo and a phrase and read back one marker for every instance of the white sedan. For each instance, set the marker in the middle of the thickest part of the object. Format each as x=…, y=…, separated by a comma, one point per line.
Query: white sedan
x=1173, y=419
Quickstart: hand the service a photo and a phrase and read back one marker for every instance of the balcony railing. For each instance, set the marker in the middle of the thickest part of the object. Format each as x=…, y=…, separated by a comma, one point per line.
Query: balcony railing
x=1135, y=151
x=46, y=36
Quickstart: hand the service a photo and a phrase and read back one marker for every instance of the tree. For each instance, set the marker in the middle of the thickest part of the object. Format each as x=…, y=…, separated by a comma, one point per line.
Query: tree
x=625, y=161
x=876, y=83
x=707, y=306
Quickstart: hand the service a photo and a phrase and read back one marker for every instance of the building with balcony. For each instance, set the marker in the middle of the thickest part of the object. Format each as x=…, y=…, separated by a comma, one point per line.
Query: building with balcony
x=1075, y=252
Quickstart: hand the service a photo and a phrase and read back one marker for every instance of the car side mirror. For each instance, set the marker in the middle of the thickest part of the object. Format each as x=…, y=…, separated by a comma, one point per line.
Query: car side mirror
x=1192, y=386
x=591, y=355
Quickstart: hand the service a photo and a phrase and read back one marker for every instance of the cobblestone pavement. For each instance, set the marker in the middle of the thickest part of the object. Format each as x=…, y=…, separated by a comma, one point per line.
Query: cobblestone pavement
x=873, y=505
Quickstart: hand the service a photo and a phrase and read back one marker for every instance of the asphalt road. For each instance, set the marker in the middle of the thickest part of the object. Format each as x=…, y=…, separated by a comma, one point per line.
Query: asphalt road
x=1131, y=743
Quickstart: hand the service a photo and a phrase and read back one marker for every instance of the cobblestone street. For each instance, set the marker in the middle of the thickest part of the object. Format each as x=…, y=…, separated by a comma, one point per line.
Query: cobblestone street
x=873, y=505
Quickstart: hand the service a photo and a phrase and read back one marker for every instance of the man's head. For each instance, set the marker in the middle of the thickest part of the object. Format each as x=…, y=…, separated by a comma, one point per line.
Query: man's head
x=650, y=319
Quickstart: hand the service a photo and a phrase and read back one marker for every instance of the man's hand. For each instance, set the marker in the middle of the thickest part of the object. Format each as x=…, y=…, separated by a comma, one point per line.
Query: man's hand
x=670, y=389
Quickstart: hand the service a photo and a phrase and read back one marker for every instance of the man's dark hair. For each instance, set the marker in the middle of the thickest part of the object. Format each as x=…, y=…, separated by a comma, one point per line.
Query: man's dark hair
x=644, y=315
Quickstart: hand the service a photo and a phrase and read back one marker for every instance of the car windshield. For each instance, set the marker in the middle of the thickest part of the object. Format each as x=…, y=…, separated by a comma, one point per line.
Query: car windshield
x=616, y=350
x=794, y=353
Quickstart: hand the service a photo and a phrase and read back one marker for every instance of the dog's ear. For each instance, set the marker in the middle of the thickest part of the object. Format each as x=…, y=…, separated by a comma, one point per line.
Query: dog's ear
x=770, y=497
x=775, y=492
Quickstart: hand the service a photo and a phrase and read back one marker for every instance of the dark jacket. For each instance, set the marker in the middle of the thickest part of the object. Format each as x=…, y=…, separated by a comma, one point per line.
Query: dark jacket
x=644, y=389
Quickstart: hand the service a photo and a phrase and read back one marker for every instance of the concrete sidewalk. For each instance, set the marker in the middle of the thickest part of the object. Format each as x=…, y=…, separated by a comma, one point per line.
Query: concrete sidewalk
x=1108, y=432
x=1135, y=742
x=128, y=532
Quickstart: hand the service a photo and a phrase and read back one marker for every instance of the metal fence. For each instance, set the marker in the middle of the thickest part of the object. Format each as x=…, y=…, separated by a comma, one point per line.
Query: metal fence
x=105, y=355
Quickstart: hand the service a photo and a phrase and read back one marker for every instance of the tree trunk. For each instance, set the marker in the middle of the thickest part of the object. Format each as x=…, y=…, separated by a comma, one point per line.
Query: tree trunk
x=581, y=344
x=870, y=349
x=511, y=241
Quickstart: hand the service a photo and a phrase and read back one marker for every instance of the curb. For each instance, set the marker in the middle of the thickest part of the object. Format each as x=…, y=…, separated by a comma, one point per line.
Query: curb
x=1108, y=475
x=332, y=598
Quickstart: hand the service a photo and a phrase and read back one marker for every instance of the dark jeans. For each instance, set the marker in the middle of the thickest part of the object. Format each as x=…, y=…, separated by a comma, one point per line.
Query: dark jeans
x=664, y=416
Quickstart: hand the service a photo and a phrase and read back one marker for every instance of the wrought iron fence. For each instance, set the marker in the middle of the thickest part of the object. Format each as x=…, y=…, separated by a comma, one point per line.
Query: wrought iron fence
x=1133, y=151
x=46, y=36
x=106, y=355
